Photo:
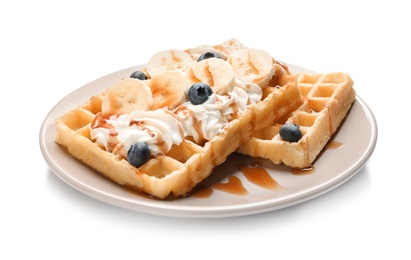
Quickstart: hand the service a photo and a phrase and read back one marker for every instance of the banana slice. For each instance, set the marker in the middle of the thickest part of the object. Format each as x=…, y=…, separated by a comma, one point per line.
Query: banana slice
x=197, y=51
x=230, y=47
x=126, y=96
x=217, y=73
x=169, y=89
x=252, y=65
x=169, y=60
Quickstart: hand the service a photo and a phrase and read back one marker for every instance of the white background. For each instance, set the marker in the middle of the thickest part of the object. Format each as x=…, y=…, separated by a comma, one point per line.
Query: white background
x=50, y=48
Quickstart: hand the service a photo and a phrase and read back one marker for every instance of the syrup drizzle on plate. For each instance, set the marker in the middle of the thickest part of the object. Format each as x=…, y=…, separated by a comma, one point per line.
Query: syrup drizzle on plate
x=334, y=145
x=233, y=186
x=254, y=173
x=259, y=176
x=303, y=171
x=201, y=191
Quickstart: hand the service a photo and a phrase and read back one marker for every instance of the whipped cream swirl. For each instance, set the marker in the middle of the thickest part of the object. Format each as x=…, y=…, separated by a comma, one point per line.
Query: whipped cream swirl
x=161, y=128
x=204, y=121
x=158, y=128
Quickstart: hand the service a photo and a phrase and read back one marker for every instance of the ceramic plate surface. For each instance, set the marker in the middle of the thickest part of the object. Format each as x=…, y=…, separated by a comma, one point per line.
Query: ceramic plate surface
x=353, y=145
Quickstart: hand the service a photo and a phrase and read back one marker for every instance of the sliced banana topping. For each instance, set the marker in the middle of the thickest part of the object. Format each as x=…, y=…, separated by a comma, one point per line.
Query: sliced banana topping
x=217, y=73
x=169, y=89
x=169, y=60
x=252, y=65
x=230, y=47
x=197, y=51
x=159, y=111
x=126, y=96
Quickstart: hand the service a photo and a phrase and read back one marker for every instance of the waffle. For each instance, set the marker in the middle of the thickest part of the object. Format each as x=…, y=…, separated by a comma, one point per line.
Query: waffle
x=327, y=100
x=175, y=173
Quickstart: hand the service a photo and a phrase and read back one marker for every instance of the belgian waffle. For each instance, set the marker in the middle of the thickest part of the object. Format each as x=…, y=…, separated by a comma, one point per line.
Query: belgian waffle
x=175, y=173
x=327, y=100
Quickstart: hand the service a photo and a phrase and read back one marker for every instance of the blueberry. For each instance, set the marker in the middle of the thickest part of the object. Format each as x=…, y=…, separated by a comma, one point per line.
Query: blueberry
x=138, y=75
x=290, y=132
x=138, y=154
x=208, y=55
x=199, y=93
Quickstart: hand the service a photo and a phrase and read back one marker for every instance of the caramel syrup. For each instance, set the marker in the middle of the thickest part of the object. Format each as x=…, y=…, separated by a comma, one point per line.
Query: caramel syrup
x=259, y=176
x=334, y=145
x=303, y=171
x=255, y=174
x=255, y=164
x=201, y=192
x=233, y=186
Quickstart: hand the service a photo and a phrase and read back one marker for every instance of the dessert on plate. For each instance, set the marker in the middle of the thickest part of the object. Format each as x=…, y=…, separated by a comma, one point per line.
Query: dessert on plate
x=163, y=129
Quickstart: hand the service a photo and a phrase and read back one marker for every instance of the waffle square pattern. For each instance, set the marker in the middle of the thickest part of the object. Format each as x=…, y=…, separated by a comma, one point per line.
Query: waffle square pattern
x=327, y=100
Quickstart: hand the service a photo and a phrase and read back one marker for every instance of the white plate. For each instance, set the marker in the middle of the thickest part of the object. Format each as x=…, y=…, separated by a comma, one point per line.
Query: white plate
x=358, y=134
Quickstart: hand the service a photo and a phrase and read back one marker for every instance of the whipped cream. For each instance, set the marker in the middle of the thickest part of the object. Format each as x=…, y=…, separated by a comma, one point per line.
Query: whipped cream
x=161, y=128
x=206, y=120
x=158, y=128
